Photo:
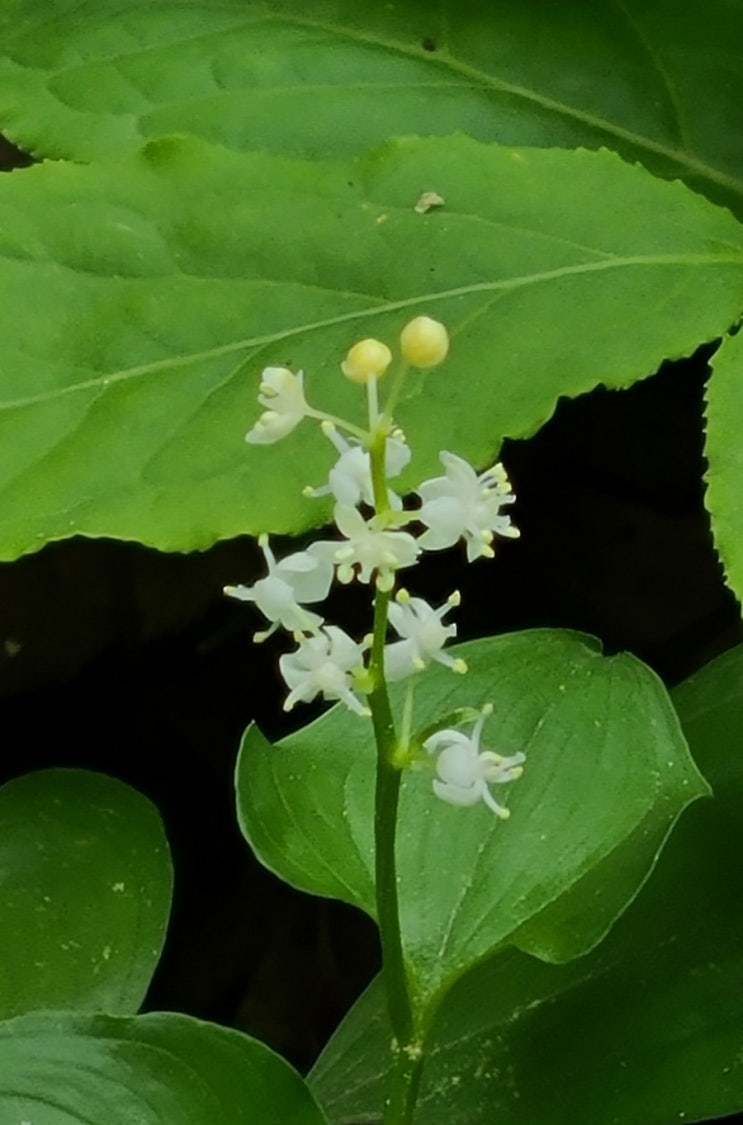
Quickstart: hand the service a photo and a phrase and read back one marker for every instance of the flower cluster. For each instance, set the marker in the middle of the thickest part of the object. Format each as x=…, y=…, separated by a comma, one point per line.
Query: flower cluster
x=377, y=536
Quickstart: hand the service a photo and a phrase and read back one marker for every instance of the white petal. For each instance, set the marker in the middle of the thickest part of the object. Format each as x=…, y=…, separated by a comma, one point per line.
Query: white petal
x=283, y=391
x=446, y=518
x=458, y=765
x=310, y=575
x=399, y=660
x=350, y=479
x=396, y=457
x=272, y=427
x=442, y=738
x=453, y=795
x=242, y=593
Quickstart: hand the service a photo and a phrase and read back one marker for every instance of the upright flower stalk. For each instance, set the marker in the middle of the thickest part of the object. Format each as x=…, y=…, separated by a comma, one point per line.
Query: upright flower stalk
x=375, y=544
x=406, y=1049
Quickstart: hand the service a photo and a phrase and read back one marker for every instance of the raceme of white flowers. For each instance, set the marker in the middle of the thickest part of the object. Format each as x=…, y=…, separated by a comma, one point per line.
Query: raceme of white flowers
x=377, y=538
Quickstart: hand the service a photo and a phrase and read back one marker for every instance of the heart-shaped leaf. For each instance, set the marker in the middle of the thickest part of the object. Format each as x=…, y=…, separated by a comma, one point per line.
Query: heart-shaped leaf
x=645, y=1029
x=141, y=299
x=85, y=884
x=59, y=1068
x=660, y=83
x=607, y=774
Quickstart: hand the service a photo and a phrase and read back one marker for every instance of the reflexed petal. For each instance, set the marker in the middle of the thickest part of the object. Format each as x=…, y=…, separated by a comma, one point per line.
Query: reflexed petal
x=272, y=427
x=453, y=795
x=310, y=575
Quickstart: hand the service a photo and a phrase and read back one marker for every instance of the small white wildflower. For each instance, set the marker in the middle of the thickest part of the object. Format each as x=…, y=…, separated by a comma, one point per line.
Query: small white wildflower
x=368, y=547
x=465, y=771
x=465, y=504
x=302, y=577
x=282, y=393
x=350, y=479
x=324, y=665
x=423, y=636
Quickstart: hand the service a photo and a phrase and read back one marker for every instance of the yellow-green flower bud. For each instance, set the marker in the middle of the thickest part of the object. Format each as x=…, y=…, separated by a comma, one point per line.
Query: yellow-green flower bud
x=369, y=359
x=424, y=342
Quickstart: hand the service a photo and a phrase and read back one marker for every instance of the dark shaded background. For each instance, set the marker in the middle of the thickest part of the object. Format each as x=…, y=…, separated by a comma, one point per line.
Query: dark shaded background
x=117, y=658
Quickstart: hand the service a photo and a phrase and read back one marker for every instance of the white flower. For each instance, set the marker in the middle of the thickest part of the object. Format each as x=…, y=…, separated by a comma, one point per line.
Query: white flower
x=424, y=636
x=282, y=393
x=465, y=771
x=369, y=547
x=465, y=504
x=303, y=577
x=324, y=665
x=350, y=479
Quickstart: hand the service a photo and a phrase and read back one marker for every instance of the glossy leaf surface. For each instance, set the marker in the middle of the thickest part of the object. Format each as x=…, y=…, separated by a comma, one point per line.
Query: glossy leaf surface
x=67, y=1069
x=607, y=773
x=85, y=885
x=645, y=1029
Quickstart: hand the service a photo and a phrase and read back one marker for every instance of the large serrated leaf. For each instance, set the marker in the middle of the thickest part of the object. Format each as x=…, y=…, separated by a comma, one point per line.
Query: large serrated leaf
x=142, y=298
x=85, y=885
x=659, y=82
x=723, y=449
x=645, y=1030
x=607, y=774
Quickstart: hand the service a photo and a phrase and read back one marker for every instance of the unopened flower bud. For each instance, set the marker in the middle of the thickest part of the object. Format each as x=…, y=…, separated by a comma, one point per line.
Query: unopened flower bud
x=424, y=342
x=369, y=359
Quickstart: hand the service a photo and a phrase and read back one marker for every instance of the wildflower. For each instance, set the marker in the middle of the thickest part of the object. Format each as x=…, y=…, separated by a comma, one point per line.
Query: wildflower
x=282, y=393
x=423, y=636
x=424, y=342
x=350, y=479
x=465, y=771
x=324, y=665
x=369, y=547
x=465, y=504
x=369, y=359
x=302, y=577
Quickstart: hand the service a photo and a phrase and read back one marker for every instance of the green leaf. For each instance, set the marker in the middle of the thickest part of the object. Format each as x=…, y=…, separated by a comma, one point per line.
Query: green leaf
x=607, y=774
x=661, y=83
x=59, y=1068
x=724, y=452
x=85, y=885
x=645, y=1029
x=142, y=299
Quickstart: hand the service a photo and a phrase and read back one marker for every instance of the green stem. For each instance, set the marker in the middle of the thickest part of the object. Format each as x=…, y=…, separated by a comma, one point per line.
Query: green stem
x=397, y=381
x=406, y=1060
x=407, y=1057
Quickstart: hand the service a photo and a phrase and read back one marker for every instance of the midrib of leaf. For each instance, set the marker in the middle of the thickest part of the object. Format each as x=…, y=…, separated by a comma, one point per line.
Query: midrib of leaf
x=506, y=284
